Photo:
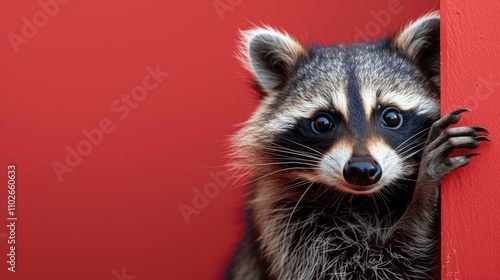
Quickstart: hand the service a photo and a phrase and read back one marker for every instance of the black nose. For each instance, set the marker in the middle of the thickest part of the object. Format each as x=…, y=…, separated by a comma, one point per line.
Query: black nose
x=362, y=171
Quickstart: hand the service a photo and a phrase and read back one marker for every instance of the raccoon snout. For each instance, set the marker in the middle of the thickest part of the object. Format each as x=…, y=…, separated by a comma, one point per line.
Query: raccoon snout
x=362, y=171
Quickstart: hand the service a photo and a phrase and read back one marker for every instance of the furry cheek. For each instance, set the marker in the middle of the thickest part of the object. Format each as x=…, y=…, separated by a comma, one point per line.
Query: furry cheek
x=332, y=164
x=391, y=163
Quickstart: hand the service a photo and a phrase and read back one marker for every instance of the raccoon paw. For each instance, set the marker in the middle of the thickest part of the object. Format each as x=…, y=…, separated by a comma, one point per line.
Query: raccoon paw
x=442, y=141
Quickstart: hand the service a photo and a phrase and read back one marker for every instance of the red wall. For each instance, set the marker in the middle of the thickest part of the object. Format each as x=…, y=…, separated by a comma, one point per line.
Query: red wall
x=470, y=196
x=116, y=213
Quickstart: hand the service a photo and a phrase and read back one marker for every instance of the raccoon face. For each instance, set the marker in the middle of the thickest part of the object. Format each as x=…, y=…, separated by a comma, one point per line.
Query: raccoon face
x=351, y=117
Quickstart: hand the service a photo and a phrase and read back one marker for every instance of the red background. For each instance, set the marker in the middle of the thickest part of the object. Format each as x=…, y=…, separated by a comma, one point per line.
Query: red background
x=471, y=78
x=119, y=207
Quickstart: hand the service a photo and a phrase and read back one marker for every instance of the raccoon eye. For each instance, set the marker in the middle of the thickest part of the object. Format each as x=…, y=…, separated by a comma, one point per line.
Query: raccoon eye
x=391, y=118
x=322, y=123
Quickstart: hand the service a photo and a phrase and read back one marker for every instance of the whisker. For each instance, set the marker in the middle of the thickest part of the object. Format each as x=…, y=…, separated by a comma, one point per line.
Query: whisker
x=274, y=163
x=422, y=131
x=292, y=186
x=416, y=145
x=273, y=153
x=282, y=148
x=280, y=170
x=295, y=208
x=302, y=145
x=416, y=152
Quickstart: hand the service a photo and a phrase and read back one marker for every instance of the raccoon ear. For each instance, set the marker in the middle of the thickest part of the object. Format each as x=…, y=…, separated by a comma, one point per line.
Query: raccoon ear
x=420, y=42
x=271, y=56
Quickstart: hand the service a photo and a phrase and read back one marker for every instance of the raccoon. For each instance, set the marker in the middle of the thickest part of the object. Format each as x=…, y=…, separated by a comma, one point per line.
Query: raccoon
x=346, y=152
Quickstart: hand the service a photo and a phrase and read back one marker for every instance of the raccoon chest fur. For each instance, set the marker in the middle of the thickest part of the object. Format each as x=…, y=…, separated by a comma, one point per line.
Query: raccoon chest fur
x=348, y=238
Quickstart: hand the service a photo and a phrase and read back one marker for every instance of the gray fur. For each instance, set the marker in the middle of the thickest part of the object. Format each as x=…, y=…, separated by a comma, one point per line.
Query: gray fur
x=301, y=221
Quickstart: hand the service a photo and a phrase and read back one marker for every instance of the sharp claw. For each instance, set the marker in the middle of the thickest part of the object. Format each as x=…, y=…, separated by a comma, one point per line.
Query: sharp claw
x=460, y=110
x=481, y=129
x=483, y=138
x=473, y=154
